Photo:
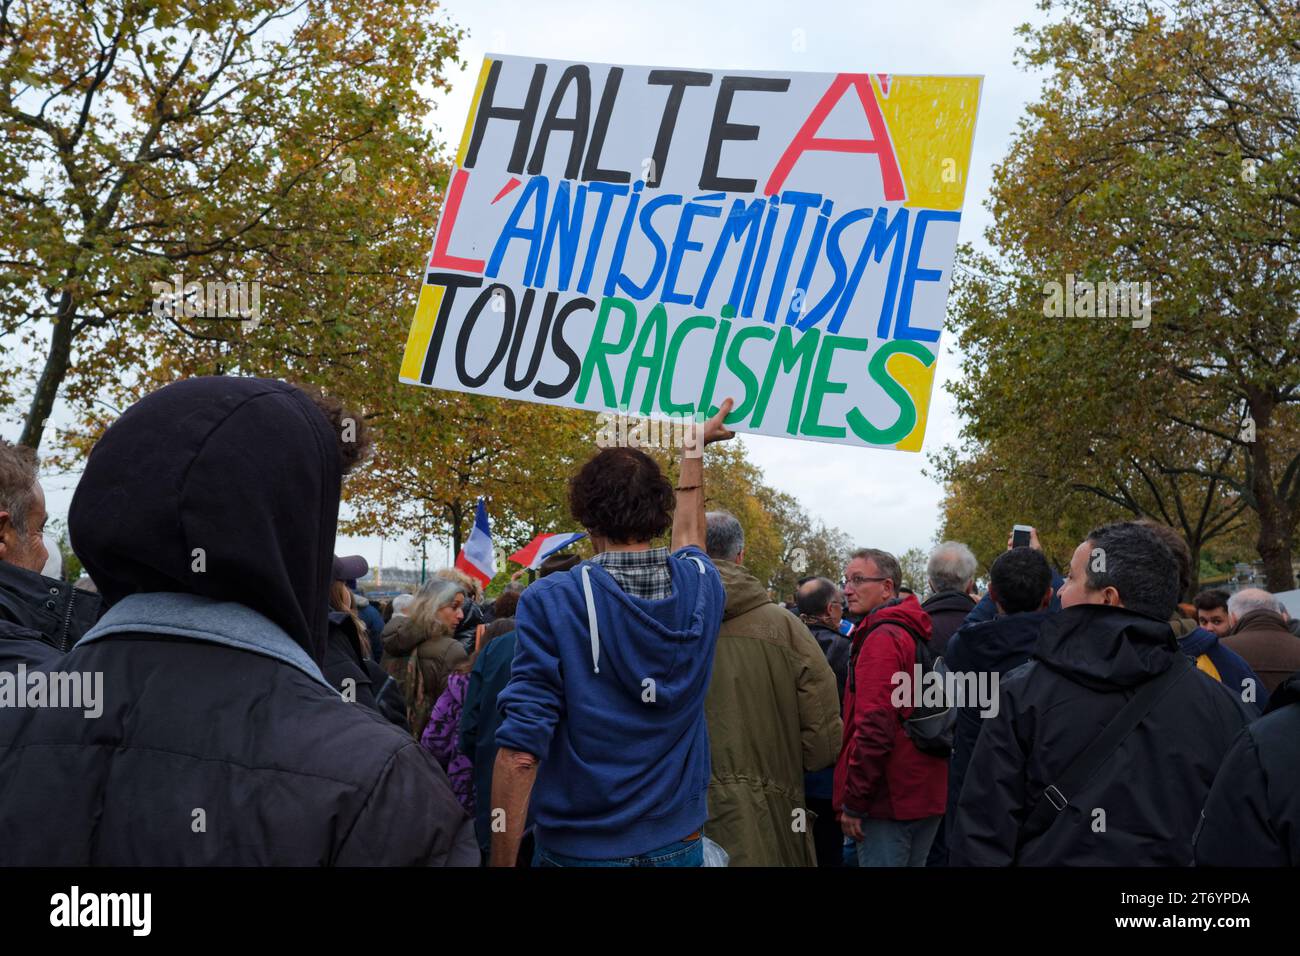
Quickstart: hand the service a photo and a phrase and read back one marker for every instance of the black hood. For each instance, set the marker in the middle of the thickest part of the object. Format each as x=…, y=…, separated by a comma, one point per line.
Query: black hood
x=948, y=601
x=1105, y=647
x=1002, y=643
x=246, y=469
x=1286, y=694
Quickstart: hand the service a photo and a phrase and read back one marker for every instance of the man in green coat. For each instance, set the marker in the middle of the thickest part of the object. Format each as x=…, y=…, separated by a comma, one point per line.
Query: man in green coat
x=773, y=713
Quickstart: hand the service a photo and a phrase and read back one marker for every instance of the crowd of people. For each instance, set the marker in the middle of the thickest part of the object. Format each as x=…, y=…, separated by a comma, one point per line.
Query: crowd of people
x=649, y=706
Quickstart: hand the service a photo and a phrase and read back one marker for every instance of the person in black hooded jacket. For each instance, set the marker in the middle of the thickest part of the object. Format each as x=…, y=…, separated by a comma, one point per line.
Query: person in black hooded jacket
x=1110, y=638
x=1020, y=583
x=206, y=515
x=1252, y=815
x=40, y=617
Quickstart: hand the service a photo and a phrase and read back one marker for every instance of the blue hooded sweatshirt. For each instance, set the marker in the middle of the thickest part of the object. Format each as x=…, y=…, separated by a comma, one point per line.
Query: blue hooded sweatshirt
x=615, y=711
x=1234, y=672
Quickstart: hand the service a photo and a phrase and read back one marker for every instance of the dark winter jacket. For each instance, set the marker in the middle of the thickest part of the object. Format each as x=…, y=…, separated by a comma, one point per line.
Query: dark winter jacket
x=881, y=774
x=1252, y=816
x=370, y=686
x=1140, y=808
x=40, y=617
x=206, y=515
x=836, y=647
x=1262, y=638
x=997, y=647
x=374, y=622
x=478, y=727
x=947, y=610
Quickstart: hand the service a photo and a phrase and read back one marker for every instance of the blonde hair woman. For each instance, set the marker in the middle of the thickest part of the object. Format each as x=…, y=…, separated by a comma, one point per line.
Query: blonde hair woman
x=420, y=650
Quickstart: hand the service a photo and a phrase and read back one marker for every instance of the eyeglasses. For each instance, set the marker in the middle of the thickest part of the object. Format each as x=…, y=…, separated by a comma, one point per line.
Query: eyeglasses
x=858, y=580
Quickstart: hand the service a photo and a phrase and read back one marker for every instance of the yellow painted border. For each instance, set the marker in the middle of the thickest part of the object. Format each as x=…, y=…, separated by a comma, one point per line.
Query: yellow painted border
x=417, y=340
x=473, y=113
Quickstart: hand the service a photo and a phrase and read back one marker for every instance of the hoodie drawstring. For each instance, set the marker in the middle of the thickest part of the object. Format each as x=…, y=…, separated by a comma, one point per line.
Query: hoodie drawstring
x=591, y=619
x=591, y=612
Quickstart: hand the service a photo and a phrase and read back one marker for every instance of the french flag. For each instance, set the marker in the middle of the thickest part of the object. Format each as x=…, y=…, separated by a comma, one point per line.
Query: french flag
x=475, y=558
x=542, y=547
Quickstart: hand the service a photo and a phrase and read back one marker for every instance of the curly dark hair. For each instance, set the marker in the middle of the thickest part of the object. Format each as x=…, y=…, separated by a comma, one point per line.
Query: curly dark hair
x=355, y=441
x=622, y=495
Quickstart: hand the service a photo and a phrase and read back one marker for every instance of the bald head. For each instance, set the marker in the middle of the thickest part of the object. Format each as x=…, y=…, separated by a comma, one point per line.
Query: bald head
x=819, y=598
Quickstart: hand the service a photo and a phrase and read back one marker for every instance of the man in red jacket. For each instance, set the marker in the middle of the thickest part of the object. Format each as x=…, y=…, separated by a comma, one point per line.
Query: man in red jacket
x=889, y=795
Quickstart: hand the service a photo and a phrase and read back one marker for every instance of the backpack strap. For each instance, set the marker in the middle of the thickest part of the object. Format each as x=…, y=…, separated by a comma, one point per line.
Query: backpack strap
x=857, y=646
x=1056, y=797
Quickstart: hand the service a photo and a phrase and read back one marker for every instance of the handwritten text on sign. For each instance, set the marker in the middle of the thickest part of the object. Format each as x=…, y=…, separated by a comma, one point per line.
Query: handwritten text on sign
x=654, y=240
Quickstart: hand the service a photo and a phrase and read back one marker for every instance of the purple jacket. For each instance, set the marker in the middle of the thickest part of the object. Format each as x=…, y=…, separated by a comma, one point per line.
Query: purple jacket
x=441, y=738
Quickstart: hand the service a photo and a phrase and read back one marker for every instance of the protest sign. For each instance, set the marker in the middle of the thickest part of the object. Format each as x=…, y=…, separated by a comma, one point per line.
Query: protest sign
x=651, y=241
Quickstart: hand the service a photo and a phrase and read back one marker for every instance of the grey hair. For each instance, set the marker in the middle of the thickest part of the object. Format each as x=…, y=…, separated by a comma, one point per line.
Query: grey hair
x=725, y=538
x=952, y=567
x=433, y=596
x=1253, y=599
x=885, y=563
x=402, y=602
x=17, y=483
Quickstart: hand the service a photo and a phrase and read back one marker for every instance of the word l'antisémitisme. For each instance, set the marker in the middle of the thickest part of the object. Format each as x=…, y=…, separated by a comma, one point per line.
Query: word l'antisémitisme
x=650, y=349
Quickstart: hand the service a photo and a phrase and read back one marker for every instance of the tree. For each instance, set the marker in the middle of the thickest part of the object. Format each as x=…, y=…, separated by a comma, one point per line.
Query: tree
x=913, y=561
x=1162, y=151
x=217, y=142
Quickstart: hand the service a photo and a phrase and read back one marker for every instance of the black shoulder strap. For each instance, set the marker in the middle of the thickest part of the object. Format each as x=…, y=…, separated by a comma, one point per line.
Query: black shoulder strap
x=1056, y=797
x=857, y=646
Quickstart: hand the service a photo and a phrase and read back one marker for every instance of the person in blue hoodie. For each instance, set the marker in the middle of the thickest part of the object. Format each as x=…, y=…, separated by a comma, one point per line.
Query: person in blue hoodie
x=603, y=729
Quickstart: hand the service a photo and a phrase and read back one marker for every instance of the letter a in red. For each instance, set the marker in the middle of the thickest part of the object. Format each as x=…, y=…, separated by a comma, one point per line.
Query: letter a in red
x=807, y=139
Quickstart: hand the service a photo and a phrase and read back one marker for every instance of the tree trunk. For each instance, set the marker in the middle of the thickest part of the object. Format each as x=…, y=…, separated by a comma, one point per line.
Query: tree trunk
x=1194, y=583
x=52, y=375
x=1276, y=521
x=457, y=514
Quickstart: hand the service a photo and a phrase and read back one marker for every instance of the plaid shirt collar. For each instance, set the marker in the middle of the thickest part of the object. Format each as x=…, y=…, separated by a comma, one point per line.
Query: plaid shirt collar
x=642, y=574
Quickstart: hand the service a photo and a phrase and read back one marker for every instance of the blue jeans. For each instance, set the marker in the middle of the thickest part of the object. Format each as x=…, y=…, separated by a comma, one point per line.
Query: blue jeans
x=897, y=842
x=681, y=853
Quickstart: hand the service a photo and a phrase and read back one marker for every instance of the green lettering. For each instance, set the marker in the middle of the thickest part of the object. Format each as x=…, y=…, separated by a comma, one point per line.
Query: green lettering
x=784, y=356
x=906, y=420
x=666, y=403
x=599, y=349
x=742, y=372
x=715, y=363
x=823, y=386
x=656, y=326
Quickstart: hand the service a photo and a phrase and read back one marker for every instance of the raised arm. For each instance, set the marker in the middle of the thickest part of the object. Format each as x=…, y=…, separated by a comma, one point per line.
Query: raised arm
x=688, y=515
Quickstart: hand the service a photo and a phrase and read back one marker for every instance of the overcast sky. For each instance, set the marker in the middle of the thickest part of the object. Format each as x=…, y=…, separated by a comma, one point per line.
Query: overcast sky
x=880, y=498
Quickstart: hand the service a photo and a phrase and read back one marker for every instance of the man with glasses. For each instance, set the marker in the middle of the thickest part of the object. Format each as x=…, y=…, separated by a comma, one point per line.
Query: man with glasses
x=889, y=795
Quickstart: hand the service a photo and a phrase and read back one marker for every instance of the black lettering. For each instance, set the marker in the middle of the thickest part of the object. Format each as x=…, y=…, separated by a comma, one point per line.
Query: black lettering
x=525, y=116
x=577, y=125
x=467, y=327
x=721, y=131
x=513, y=381
x=451, y=281
x=676, y=81
x=563, y=352
x=591, y=171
